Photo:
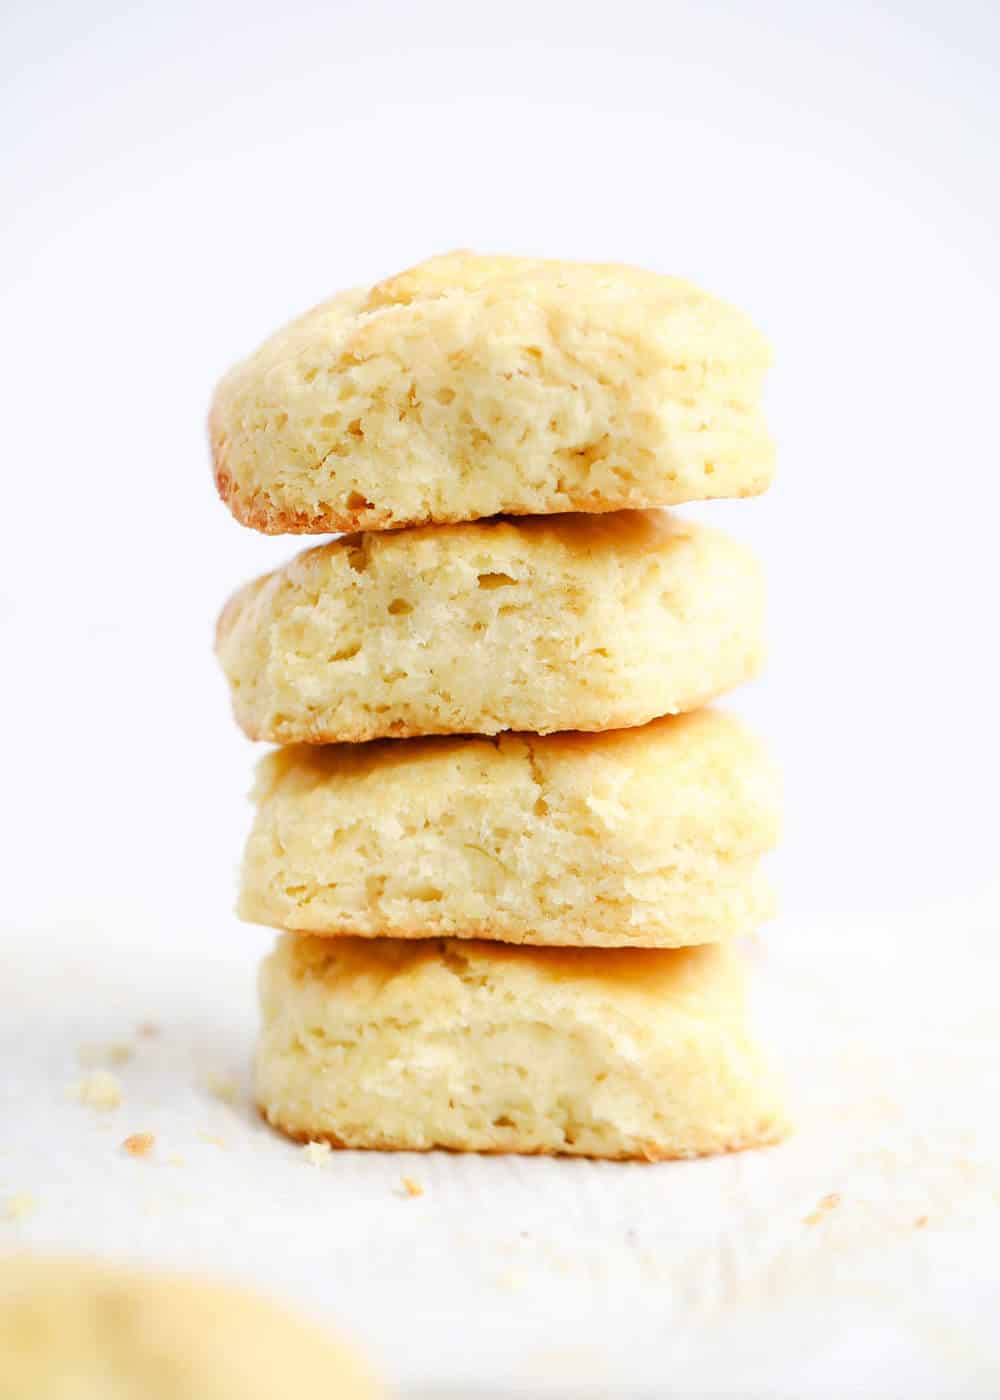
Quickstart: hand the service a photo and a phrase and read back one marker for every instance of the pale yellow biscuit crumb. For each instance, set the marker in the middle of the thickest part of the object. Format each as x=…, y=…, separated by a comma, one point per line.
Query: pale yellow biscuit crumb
x=100, y=1091
x=76, y=1327
x=223, y=1087
x=823, y=1205
x=139, y=1144
x=411, y=1187
x=17, y=1207
x=112, y=1053
x=317, y=1154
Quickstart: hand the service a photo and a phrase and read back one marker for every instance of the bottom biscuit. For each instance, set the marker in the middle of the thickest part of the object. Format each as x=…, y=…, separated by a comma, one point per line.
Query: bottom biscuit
x=479, y=1047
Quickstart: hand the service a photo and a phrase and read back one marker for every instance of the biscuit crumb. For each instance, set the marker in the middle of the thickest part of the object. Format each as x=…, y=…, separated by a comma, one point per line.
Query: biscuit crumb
x=223, y=1087
x=99, y=1090
x=824, y=1204
x=920, y=1222
x=317, y=1154
x=139, y=1144
x=175, y=1161
x=17, y=1207
x=146, y=1030
x=212, y=1139
x=114, y=1052
x=411, y=1187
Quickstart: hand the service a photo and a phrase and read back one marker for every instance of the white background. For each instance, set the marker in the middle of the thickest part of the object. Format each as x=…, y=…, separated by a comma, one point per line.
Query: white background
x=178, y=180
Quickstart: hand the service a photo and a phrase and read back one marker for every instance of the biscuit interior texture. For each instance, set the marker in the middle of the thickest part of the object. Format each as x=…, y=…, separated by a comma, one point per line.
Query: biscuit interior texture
x=491, y=1048
x=75, y=1328
x=471, y=386
x=587, y=622
x=643, y=837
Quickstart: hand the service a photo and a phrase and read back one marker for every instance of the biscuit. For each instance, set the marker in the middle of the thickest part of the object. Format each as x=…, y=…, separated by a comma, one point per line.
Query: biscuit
x=472, y=386
x=647, y=837
x=485, y=1047
x=77, y=1328
x=585, y=622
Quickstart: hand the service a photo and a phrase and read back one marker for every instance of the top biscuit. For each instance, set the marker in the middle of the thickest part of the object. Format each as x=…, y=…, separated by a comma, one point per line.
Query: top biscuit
x=472, y=386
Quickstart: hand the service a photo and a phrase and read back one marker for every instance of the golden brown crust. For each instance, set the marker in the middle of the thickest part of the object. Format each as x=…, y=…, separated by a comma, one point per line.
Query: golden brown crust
x=585, y=936
x=770, y=1135
x=258, y=512
x=397, y=729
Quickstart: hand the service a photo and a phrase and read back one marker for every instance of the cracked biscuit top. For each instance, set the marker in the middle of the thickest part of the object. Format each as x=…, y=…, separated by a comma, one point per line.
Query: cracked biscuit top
x=472, y=386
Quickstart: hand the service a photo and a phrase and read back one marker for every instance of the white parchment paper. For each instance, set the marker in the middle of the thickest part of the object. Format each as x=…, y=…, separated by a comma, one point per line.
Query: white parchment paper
x=859, y=1259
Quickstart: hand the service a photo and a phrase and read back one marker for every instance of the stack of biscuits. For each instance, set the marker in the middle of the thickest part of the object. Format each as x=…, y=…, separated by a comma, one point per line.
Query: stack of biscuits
x=511, y=852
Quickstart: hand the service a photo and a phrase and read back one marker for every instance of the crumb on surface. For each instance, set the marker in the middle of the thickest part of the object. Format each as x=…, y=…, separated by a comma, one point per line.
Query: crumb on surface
x=411, y=1187
x=212, y=1139
x=114, y=1052
x=99, y=1090
x=139, y=1144
x=223, y=1087
x=146, y=1030
x=17, y=1207
x=175, y=1161
x=824, y=1204
x=317, y=1154
x=920, y=1222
